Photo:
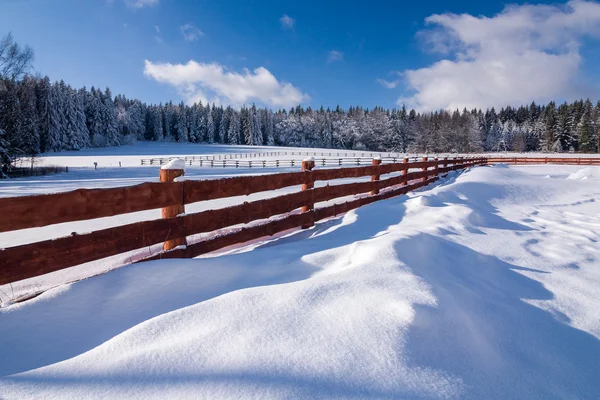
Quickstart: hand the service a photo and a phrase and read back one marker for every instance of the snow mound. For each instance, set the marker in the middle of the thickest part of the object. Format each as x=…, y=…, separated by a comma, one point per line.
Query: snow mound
x=177, y=163
x=585, y=173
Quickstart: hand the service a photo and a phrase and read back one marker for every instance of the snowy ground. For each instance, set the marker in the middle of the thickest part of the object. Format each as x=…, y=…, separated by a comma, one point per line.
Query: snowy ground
x=484, y=286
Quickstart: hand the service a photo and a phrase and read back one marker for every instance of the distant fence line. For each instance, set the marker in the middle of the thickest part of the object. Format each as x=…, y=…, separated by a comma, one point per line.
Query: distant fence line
x=227, y=163
x=545, y=160
x=199, y=160
x=291, y=210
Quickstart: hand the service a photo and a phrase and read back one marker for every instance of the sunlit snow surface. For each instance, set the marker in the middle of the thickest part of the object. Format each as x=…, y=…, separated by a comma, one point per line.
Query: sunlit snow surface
x=484, y=285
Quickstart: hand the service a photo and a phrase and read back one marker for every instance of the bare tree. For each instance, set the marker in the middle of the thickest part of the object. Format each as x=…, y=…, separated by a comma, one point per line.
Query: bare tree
x=15, y=60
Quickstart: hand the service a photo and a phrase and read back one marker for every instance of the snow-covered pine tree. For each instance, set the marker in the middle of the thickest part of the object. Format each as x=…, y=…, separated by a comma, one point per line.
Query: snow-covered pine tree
x=5, y=160
x=159, y=133
x=585, y=128
x=93, y=116
x=224, y=125
x=210, y=125
x=549, y=138
x=109, y=119
x=137, y=120
x=182, y=134
x=564, y=137
x=83, y=135
x=257, y=135
x=43, y=88
x=246, y=126
x=10, y=118
x=233, y=133
x=28, y=140
x=217, y=116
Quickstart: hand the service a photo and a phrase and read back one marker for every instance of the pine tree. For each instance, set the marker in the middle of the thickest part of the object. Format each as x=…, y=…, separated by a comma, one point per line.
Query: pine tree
x=159, y=134
x=246, y=126
x=210, y=125
x=10, y=120
x=256, y=128
x=585, y=128
x=109, y=119
x=94, y=117
x=5, y=160
x=28, y=140
x=182, y=134
x=224, y=125
x=233, y=133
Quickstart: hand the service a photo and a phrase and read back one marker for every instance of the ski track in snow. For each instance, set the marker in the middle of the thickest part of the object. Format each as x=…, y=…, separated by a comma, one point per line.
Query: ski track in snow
x=484, y=285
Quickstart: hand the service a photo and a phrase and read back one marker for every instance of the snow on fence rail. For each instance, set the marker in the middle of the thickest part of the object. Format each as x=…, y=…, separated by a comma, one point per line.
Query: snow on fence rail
x=33, y=259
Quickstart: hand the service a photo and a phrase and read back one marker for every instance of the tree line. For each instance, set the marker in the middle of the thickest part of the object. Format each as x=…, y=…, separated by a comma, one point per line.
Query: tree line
x=38, y=116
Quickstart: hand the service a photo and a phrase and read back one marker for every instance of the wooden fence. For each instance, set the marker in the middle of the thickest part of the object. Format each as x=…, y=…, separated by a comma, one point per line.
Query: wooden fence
x=545, y=160
x=321, y=162
x=291, y=211
x=196, y=160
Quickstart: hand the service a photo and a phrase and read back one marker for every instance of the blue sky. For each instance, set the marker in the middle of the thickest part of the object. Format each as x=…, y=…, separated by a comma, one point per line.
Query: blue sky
x=429, y=54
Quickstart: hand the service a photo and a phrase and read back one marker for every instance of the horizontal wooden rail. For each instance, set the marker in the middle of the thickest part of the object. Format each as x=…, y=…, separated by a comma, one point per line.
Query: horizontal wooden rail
x=29, y=260
x=82, y=204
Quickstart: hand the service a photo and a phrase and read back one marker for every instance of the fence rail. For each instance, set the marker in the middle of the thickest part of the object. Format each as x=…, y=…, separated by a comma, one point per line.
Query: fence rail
x=281, y=213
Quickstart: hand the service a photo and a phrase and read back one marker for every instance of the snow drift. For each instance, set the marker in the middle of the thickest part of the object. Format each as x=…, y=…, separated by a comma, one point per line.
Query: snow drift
x=585, y=173
x=483, y=286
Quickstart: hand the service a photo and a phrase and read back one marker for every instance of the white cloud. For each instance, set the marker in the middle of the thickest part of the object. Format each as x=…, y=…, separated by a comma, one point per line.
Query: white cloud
x=334, y=55
x=525, y=53
x=190, y=32
x=287, y=22
x=157, y=28
x=213, y=82
x=390, y=84
x=141, y=3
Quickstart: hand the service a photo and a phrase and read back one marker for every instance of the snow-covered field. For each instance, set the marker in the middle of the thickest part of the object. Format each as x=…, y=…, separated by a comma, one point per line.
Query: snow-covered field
x=483, y=286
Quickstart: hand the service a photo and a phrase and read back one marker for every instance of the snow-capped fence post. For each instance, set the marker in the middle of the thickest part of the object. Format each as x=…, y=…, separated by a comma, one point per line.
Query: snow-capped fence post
x=309, y=183
x=377, y=176
x=168, y=173
x=436, y=167
x=404, y=171
x=424, y=169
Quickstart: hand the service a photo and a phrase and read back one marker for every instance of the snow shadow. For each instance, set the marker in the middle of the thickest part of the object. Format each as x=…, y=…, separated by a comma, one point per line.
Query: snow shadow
x=483, y=331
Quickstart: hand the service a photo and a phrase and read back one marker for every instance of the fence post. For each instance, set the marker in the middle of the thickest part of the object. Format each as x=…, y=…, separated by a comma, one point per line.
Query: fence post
x=377, y=176
x=404, y=171
x=307, y=166
x=436, y=167
x=424, y=169
x=168, y=173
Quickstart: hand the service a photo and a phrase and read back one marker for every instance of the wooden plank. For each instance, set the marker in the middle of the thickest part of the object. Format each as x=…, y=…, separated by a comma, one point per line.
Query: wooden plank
x=196, y=191
x=328, y=192
x=26, y=261
x=83, y=204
